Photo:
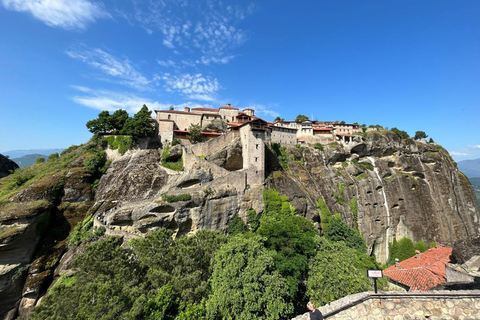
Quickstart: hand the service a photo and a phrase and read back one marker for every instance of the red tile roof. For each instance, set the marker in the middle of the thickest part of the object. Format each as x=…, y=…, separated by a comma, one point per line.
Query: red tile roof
x=322, y=129
x=206, y=109
x=228, y=107
x=177, y=111
x=422, y=272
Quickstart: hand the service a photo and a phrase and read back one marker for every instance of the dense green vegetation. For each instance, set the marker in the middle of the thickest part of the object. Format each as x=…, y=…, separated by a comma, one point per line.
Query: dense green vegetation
x=264, y=269
x=404, y=249
x=24, y=177
x=173, y=165
x=120, y=123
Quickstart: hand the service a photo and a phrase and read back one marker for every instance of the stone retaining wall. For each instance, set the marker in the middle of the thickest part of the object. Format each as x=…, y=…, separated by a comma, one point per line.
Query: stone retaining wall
x=432, y=305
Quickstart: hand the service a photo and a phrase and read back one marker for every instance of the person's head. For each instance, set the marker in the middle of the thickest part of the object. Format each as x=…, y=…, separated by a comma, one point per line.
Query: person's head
x=311, y=306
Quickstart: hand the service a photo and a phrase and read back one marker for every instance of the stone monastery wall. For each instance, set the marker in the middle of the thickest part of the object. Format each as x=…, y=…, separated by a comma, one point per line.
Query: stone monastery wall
x=211, y=146
x=433, y=305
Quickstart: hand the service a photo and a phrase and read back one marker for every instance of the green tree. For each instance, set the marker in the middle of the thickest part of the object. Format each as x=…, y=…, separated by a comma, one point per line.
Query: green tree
x=402, y=134
x=335, y=271
x=184, y=262
x=293, y=240
x=400, y=250
x=95, y=163
x=118, y=119
x=101, y=124
x=335, y=229
x=420, y=135
x=245, y=284
x=236, y=226
x=108, y=284
x=139, y=126
x=40, y=160
x=53, y=157
x=164, y=306
x=195, y=133
x=301, y=118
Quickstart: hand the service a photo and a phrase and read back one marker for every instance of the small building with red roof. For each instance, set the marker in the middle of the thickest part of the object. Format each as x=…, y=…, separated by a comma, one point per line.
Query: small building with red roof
x=422, y=272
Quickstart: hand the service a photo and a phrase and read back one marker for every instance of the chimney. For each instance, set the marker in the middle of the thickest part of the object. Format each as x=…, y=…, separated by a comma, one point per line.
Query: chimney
x=417, y=254
x=187, y=109
x=229, y=105
x=397, y=263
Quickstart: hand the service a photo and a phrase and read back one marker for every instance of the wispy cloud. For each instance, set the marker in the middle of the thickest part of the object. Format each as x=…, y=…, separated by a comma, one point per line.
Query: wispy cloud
x=193, y=86
x=120, y=69
x=66, y=14
x=455, y=153
x=208, y=28
x=264, y=110
x=111, y=101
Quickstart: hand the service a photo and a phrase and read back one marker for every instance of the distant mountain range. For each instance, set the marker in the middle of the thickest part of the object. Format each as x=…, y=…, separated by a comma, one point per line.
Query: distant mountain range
x=20, y=153
x=28, y=159
x=476, y=187
x=25, y=158
x=471, y=168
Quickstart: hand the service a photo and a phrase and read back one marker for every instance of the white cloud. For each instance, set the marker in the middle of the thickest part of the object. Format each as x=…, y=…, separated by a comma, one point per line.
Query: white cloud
x=111, y=101
x=264, y=110
x=455, y=153
x=206, y=28
x=193, y=86
x=111, y=66
x=66, y=14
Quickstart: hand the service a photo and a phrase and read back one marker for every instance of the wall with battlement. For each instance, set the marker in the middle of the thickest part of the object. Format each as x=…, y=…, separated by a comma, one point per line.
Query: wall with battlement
x=431, y=305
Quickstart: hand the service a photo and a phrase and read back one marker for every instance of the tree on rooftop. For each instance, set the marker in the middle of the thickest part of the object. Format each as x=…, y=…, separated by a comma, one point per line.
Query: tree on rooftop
x=278, y=118
x=301, y=118
x=195, y=132
x=420, y=135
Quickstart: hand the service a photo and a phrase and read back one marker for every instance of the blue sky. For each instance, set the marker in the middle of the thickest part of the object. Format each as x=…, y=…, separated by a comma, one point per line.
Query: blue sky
x=408, y=64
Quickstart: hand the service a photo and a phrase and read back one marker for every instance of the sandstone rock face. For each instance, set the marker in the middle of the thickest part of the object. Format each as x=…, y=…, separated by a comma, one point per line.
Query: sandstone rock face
x=7, y=166
x=465, y=249
x=137, y=195
x=34, y=226
x=388, y=187
x=401, y=188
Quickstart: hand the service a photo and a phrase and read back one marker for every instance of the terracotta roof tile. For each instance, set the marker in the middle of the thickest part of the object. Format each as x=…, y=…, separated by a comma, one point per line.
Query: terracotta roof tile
x=177, y=111
x=205, y=109
x=423, y=271
x=228, y=107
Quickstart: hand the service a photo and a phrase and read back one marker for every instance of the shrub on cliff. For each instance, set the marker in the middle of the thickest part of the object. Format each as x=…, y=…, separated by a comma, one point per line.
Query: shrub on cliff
x=335, y=271
x=245, y=283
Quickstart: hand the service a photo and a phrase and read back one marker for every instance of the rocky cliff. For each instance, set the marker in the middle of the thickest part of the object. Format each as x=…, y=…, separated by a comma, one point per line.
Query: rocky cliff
x=7, y=166
x=388, y=187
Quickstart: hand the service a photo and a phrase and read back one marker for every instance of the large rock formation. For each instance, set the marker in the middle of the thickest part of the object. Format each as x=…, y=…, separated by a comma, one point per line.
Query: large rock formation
x=402, y=188
x=34, y=226
x=388, y=187
x=7, y=166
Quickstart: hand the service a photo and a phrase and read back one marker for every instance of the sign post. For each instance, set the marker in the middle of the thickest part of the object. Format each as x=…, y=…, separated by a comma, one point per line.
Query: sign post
x=375, y=274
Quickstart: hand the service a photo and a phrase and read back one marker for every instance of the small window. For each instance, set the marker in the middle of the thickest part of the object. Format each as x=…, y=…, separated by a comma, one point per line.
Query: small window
x=256, y=159
x=233, y=118
x=169, y=117
x=256, y=146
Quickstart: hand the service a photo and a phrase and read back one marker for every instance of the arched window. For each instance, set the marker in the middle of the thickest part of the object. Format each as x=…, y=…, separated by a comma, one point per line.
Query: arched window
x=169, y=117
